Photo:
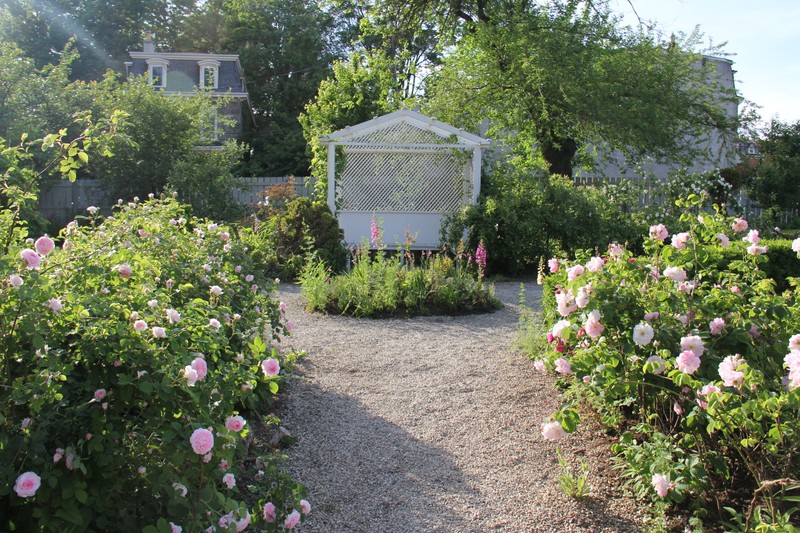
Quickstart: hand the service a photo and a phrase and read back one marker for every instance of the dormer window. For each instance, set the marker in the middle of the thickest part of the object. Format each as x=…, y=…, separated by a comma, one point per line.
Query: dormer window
x=157, y=72
x=209, y=74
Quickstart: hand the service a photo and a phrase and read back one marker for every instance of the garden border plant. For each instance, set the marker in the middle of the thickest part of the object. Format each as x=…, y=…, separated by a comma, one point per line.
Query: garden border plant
x=697, y=369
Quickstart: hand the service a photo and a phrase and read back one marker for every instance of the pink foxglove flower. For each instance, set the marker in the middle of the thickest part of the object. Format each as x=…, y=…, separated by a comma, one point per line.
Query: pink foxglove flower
x=688, y=362
x=229, y=480
x=269, y=512
x=235, y=423
x=202, y=441
x=27, y=484
x=739, y=225
x=658, y=232
x=553, y=431
x=661, y=484
x=31, y=258
x=270, y=367
x=642, y=334
x=292, y=520
x=44, y=245
x=563, y=366
x=716, y=326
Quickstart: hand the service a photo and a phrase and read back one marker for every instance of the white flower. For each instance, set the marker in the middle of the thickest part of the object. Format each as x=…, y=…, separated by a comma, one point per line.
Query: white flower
x=643, y=334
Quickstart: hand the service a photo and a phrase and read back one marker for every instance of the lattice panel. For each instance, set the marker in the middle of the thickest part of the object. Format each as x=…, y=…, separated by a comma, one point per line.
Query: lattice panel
x=401, y=133
x=405, y=181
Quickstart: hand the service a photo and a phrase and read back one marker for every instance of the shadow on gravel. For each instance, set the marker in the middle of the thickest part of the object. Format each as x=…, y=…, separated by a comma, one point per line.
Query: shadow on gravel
x=362, y=472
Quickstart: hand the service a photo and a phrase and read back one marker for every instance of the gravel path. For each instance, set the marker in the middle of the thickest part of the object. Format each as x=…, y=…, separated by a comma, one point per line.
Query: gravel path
x=433, y=424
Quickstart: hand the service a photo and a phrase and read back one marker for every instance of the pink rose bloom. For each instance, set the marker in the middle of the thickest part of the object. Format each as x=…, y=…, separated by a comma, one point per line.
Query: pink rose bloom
x=593, y=326
x=27, y=484
x=44, y=245
x=202, y=440
x=58, y=455
x=582, y=300
x=651, y=317
x=55, y=305
x=574, y=272
x=180, y=488
x=139, y=326
x=235, y=423
x=642, y=334
x=125, y=271
x=175, y=528
x=173, y=316
x=615, y=250
x=566, y=303
x=214, y=323
x=15, y=280
x=191, y=375
x=199, y=364
x=207, y=457
x=723, y=240
x=559, y=327
x=756, y=250
x=661, y=484
x=796, y=245
x=679, y=240
x=99, y=394
x=693, y=343
x=31, y=258
x=729, y=373
x=716, y=326
x=269, y=512
x=661, y=365
x=708, y=389
x=248, y=278
x=213, y=227
x=159, y=332
x=553, y=265
x=224, y=235
x=794, y=343
x=539, y=365
x=141, y=470
x=553, y=431
x=735, y=290
x=595, y=264
x=688, y=362
x=305, y=507
x=676, y=274
x=216, y=290
x=677, y=408
x=70, y=458
x=290, y=326
x=739, y=225
x=282, y=307
x=270, y=367
x=752, y=237
x=658, y=232
x=292, y=520
x=242, y=523
x=563, y=366
x=229, y=480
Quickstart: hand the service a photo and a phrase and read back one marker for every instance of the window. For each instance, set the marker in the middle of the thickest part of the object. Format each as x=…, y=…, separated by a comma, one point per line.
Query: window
x=209, y=74
x=209, y=127
x=157, y=72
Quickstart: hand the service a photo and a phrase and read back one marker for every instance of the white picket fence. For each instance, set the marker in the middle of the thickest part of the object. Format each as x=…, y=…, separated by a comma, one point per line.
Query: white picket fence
x=62, y=200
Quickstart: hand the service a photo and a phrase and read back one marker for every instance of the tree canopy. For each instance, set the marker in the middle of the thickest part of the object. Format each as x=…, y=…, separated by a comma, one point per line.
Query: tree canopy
x=774, y=181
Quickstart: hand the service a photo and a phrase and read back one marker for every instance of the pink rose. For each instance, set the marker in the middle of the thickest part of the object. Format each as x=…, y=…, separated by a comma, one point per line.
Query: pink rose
x=688, y=362
x=305, y=507
x=651, y=317
x=661, y=484
x=739, y=225
x=595, y=264
x=693, y=343
x=159, y=332
x=574, y=272
x=202, y=440
x=140, y=326
x=99, y=394
x=58, y=455
x=229, y=480
x=15, y=280
x=270, y=367
x=175, y=528
x=593, y=326
x=191, y=376
x=642, y=334
x=216, y=290
x=44, y=245
x=55, y=305
x=235, y=423
x=729, y=371
x=716, y=326
x=676, y=274
x=214, y=323
x=563, y=366
x=539, y=365
x=796, y=245
x=269, y=512
x=200, y=366
x=553, y=431
x=723, y=240
x=31, y=258
x=292, y=520
x=173, y=316
x=679, y=240
x=27, y=484
x=661, y=365
x=248, y=278
x=658, y=232
x=125, y=271
x=752, y=237
x=553, y=265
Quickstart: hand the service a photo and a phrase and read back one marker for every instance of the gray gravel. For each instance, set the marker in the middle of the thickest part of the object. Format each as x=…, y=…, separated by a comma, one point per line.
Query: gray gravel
x=433, y=424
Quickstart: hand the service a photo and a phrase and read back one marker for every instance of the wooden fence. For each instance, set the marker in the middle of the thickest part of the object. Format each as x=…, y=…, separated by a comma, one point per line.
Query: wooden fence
x=62, y=200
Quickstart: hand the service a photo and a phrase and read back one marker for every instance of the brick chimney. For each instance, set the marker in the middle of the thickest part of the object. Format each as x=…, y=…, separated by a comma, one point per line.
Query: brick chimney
x=149, y=47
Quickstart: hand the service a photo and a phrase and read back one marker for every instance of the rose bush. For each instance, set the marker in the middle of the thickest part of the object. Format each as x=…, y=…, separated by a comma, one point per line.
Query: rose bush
x=125, y=373
x=674, y=352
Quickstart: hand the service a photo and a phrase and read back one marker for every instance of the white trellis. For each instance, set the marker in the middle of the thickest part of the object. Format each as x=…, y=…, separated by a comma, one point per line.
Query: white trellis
x=405, y=169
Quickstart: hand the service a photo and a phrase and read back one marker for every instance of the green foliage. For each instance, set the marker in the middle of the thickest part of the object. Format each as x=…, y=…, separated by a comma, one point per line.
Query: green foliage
x=282, y=243
x=378, y=285
x=105, y=344
x=204, y=180
x=773, y=182
x=572, y=485
x=629, y=327
x=522, y=218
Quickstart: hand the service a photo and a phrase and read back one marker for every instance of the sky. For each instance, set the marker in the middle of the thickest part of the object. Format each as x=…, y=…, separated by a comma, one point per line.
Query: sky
x=763, y=38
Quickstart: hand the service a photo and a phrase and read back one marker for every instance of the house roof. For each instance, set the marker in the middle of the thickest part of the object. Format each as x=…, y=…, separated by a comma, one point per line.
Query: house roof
x=403, y=117
x=189, y=56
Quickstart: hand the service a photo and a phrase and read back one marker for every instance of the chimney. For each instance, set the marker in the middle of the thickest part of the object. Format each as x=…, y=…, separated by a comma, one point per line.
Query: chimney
x=149, y=47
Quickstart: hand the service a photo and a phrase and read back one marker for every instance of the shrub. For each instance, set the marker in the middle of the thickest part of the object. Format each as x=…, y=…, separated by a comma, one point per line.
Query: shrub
x=694, y=353
x=128, y=355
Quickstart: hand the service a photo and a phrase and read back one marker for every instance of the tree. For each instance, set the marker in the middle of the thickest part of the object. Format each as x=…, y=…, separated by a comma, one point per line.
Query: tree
x=774, y=181
x=554, y=78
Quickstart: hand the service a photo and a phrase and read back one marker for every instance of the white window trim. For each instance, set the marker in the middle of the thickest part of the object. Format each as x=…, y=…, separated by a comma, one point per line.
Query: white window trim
x=157, y=62
x=208, y=64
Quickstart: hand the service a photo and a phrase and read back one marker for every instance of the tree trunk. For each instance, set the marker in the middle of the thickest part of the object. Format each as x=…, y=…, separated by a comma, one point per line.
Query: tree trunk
x=558, y=154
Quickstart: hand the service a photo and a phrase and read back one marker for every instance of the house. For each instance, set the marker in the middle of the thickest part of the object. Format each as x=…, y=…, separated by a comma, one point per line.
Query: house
x=183, y=73
x=405, y=171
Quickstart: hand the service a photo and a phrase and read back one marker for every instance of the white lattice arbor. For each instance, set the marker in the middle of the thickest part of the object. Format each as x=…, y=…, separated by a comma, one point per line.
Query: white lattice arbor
x=407, y=170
